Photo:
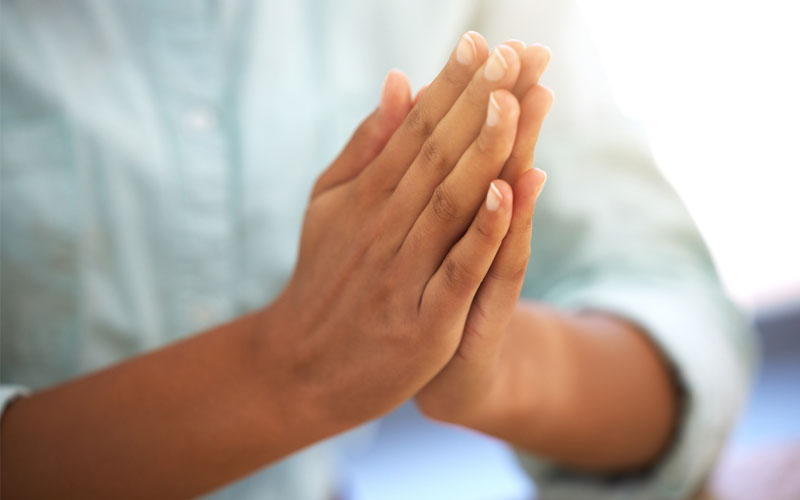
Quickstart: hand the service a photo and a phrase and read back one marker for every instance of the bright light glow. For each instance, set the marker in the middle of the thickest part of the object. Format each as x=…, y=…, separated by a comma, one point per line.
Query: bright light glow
x=717, y=83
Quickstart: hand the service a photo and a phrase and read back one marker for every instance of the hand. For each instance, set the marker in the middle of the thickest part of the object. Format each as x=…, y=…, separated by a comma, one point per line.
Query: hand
x=396, y=241
x=463, y=392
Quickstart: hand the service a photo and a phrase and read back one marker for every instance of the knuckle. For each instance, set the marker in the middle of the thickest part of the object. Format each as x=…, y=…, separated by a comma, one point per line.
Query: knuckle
x=457, y=274
x=443, y=204
x=368, y=141
x=485, y=230
x=419, y=122
x=484, y=143
x=432, y=155
x=361, y=194
x=371, y=186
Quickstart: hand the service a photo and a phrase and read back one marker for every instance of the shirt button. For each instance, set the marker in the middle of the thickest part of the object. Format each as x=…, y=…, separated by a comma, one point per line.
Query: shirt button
x=202, y=314
x=200, y=118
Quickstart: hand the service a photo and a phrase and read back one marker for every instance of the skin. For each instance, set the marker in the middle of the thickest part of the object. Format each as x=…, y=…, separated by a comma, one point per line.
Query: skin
x=587, y=390
x=406, y=284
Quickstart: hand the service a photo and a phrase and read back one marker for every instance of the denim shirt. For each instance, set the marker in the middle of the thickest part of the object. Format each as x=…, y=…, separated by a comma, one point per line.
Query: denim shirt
x=157, y=158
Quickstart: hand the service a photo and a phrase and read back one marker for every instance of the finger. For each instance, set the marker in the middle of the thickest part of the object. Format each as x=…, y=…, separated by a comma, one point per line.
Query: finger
x=452, y=137
x=535, y=105
x=468, y=377
x=517, y=45
x=452, y=287
x=454, y=202
x=499, y=292
x=372, y=135
x=434, y=103
x=534, y=60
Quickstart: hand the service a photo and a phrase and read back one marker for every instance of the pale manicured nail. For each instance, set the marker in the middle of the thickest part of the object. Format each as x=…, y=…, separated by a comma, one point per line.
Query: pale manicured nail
x=465, y=51
x=493, y=198
x=496, y=66
x=541, y=186
x=493, y=111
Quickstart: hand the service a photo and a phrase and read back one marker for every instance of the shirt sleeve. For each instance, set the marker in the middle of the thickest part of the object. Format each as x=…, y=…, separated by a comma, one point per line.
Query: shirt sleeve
x=610, y=234
x=8, y=393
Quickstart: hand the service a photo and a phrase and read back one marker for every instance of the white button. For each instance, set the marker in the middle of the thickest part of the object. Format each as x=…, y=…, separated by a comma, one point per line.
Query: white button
x=200, y=118
x=202, y=314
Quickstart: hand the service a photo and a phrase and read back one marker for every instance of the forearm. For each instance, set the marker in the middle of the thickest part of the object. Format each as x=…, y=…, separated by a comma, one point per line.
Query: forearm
x=586, y=390
x=172, y=423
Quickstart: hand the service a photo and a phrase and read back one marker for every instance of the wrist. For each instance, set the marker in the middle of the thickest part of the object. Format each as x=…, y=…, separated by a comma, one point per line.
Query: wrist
x=285, y=355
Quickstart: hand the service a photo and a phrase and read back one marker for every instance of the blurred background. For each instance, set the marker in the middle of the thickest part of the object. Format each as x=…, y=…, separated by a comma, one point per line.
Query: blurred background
x=716, y=83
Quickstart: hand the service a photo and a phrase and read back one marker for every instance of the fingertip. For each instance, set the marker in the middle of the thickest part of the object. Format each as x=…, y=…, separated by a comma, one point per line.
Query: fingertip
x=537, y=58
x=538, y=176
x=527, y=190
x=499, y=132
x=500, y=196
x=396, y=73
x=481, y=47
x=541, y=181
x=538, y=100
x=530, y=183
x=541, y=176
x=505, y=188
x=505, y=102
x=541, y=53
x=396, y=93
x=510, y=56
x=544, y=51
x=534, y=61
x=548, y=96
x=517, y=45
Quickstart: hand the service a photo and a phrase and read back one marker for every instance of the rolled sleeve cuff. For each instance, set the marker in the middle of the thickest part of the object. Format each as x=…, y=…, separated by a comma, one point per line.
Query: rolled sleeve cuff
x=8, y=393
x=712, y=352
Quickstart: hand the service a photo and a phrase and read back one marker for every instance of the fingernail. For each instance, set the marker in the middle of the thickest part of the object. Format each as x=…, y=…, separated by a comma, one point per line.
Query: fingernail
x=465, y=51
x=496, y=66
x=541, y=186
x=493, y=111
x=493, y=198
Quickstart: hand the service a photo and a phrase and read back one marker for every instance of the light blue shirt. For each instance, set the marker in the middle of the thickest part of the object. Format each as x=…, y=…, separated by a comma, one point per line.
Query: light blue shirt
x=157, y=158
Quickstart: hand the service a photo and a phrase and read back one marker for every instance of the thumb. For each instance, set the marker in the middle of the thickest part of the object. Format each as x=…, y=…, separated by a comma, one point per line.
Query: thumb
x=372, y=135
